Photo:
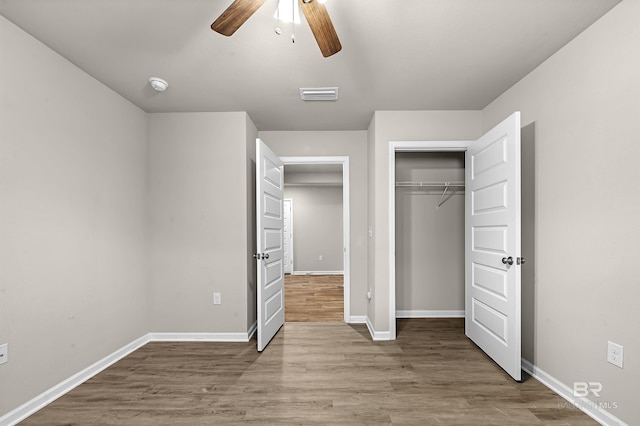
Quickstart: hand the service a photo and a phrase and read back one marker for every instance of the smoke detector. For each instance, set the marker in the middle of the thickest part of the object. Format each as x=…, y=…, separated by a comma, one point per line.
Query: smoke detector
x=158, y=84
x=319, y=94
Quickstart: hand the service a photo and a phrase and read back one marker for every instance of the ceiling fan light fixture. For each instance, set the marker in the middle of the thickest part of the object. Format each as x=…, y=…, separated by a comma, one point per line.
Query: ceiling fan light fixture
x=158, y=84
x=315, y=13
x=319, y=93
x=288, y=11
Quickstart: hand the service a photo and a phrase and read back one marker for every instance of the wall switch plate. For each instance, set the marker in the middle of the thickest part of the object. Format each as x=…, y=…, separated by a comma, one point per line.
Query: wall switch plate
x=614, y=354
x=321, y=257
x=216, y=299
x=4, y=353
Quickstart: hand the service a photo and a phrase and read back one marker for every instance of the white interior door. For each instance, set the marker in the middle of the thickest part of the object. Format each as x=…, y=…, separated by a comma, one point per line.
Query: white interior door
x=288, y=237
x=493, y=262
x=269, y=253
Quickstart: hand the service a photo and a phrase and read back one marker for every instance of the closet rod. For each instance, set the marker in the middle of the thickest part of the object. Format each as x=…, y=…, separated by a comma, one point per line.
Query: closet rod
x=432, y=184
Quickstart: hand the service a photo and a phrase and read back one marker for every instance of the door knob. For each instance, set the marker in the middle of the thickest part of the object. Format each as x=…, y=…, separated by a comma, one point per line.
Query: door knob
x=265, y=255
x=507, y=260
x=256, y=256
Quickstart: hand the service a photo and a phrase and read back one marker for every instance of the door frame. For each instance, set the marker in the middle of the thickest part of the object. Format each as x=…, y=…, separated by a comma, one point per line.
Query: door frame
x=290, y=259
x=407, y=146
x=344, y=161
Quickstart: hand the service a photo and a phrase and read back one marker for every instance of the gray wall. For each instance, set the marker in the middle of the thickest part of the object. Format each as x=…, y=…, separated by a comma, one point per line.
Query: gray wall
x=348, y=143
x=317, y=228
x=251, y=134
x=73, y=219
x=429, y=239
x=199, y=216
x=584, y=103
x=371, y=220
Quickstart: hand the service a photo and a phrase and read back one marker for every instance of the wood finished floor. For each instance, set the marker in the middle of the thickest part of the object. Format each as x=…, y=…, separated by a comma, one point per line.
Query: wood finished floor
x=313, y=298
x=313, y=373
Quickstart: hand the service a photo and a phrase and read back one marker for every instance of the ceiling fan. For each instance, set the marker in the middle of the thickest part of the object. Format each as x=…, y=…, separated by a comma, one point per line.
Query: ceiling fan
x=315, y=12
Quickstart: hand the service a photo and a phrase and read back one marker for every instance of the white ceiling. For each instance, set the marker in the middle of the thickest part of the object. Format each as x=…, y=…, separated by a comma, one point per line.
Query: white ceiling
x=396, y=55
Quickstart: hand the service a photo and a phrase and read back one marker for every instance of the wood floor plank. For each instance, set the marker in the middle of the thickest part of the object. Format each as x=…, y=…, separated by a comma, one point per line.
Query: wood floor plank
x=313, y=373
x=314, y=298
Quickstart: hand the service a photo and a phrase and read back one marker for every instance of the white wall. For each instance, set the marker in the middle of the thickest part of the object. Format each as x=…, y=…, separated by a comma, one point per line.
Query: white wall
x=199, y=221
x=317, y=228
x=351, y=144
x=73, y=219
x=584, y=103
x=429, y=239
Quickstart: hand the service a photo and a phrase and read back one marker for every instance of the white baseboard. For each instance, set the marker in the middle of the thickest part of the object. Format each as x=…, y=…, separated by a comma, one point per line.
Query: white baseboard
x=252, y=330
x=50, y=395
x=357, y=319
x=199, y=337
x=590, y=408
x=317, y=273
x=377, y=335
x=430, y=314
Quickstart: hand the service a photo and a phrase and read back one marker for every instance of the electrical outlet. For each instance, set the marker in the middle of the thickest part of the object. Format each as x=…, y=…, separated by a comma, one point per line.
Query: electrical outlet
x=615, y=353
x=216, y=299
x=4, y=353
x=321, y=257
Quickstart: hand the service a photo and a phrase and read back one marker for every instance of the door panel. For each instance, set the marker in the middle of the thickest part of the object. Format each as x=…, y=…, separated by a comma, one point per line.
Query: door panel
x=490, y=280
x=269, y=253
x=492, y=220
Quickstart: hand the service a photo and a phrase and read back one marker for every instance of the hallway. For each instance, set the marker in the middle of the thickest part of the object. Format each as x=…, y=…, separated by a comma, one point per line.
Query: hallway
x=314, y=298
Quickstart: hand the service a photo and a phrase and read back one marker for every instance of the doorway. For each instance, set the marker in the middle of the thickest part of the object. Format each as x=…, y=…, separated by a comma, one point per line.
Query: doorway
x=326, y=270
x=269, y=238
x=407, y=147
x=429, y=200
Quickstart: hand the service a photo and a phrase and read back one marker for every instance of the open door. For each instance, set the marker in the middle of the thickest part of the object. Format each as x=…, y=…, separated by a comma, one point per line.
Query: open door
x=493, y=262
x=269, y=253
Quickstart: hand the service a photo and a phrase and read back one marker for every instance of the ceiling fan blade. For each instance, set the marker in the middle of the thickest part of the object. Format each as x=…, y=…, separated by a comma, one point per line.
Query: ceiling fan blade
x=235, y=15
x=322, y=27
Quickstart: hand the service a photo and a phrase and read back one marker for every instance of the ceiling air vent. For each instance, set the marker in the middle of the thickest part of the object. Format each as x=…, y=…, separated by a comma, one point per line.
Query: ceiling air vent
x=319, y=94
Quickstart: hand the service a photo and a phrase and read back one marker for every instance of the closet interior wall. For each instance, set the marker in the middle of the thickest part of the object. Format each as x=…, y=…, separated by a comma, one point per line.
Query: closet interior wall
x=429, y=238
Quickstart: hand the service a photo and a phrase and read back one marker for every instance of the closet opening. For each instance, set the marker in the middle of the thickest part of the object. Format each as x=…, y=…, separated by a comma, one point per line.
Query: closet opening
x=426, y=230
x=430, y=234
